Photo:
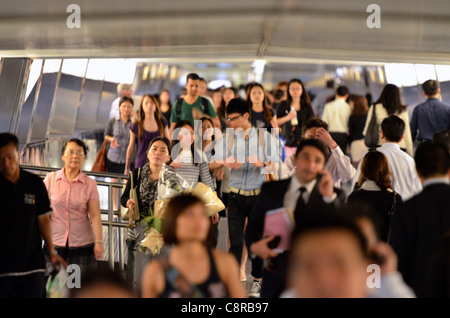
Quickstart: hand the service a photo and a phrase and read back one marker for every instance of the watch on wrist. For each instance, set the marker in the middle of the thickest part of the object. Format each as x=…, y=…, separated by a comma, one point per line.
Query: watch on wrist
x=53, y=252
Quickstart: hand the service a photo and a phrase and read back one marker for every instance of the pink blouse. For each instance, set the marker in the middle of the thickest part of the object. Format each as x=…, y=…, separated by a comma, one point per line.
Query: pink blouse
x=70, y=219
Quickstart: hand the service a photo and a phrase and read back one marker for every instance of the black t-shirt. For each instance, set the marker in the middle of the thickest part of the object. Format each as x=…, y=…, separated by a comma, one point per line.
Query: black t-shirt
x=293, y=134
x=20, y=237
x=259, y=121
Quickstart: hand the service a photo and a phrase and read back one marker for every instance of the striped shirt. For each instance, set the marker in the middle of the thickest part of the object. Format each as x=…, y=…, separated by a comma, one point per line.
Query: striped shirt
x=192, y=173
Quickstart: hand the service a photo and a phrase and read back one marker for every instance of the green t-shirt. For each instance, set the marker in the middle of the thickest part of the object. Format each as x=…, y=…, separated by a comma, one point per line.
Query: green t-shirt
x=186, y=110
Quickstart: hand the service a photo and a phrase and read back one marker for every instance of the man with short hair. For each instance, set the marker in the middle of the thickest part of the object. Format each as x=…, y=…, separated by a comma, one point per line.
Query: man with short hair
x=337, y=114
x=442, y=136
x=418, y=227
x=405, y=180
x=202, y=90
x=338, y=164
x=309, y=191
x=25, y=217
x=192, y=106
x=249, y=152
x=430, y=116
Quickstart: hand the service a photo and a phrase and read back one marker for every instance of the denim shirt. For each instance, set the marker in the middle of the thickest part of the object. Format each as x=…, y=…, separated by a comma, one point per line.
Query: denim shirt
x=247, y=177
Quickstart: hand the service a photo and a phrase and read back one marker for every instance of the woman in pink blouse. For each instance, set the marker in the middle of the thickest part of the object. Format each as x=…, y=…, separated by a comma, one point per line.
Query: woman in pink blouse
x=76, y=219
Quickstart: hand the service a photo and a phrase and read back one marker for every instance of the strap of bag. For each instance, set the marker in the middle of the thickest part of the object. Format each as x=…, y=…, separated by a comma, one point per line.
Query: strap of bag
x=374, y=114
x=178, y=109
x=205, y=106
x=52, y=180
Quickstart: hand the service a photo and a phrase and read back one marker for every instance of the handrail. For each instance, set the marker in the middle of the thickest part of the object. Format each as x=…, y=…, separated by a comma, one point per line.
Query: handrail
x=31, y=144
x=110, y=223
x=89, y=173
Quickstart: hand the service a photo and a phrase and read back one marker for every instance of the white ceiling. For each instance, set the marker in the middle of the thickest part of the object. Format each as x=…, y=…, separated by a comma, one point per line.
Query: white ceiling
x=311, y=31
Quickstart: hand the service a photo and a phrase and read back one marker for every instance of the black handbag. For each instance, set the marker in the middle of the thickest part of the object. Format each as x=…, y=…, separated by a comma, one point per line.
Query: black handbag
x=373, y=131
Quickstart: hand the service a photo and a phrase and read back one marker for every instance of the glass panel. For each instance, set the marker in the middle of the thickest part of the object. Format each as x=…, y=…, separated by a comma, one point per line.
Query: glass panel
x=425, y=72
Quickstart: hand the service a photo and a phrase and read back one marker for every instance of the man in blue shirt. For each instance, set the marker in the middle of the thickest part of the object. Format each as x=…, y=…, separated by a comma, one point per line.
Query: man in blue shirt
x=248, y=152
x=430, y=116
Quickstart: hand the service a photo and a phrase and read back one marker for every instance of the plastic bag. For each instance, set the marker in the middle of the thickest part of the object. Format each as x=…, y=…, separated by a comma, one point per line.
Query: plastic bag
x=170, y=183
x=57, y=284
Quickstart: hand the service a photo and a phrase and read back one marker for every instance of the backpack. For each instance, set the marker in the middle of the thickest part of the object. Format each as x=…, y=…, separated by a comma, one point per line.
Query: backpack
x=180, y=102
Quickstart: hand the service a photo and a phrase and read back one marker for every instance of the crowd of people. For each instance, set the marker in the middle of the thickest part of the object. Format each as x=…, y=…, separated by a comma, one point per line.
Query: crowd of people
x=278, y=160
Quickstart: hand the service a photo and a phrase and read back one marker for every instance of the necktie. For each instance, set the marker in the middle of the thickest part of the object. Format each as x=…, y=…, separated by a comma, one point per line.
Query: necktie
x=300, y=207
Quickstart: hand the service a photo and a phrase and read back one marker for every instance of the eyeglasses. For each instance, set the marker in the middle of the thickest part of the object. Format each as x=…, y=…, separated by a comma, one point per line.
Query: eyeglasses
x=75, y=153
x=229, y=120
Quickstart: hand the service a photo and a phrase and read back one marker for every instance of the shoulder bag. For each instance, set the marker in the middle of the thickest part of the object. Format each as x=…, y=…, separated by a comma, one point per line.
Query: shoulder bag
x=373, y=131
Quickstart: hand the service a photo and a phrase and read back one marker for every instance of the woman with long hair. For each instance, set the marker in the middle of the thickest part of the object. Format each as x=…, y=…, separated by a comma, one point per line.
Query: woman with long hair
x=389, y=103
x=193, y=268
x=376, y=189
x=292, y=113
x=261, y=114
x=145, y=180
x=165, y=104
x=356, y=124
x=188, y=161
x=150, y=124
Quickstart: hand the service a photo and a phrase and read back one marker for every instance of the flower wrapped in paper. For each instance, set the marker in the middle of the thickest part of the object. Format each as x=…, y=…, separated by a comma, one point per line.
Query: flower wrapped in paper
x=212, y=203
x=152, y=243
x=170, y=183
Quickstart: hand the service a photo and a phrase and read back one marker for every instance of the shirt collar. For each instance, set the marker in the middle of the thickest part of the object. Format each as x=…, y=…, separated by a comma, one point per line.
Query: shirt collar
x=370, y=185
x=436, y=180
x=390, y=145
x=119, y=119
x=61, y=174
x=295, y=184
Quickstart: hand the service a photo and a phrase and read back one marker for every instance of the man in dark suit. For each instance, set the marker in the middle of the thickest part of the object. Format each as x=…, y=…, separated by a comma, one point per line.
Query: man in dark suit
x=303, y=193
x=416, y=230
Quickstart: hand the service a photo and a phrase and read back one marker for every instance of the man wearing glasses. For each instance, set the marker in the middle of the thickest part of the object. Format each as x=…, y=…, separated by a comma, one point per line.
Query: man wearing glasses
x=250, y=153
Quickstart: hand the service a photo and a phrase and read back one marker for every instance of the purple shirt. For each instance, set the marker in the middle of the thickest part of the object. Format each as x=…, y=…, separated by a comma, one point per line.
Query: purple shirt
x=143, y=144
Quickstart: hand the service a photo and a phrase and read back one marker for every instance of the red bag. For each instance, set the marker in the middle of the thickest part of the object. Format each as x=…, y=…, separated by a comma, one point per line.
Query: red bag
x=100, y=160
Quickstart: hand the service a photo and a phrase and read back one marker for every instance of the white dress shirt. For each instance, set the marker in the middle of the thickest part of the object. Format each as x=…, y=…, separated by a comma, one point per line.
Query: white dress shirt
x=337, y=114
x=293, y=193
x=381, y=113
x=339, y=166
x=405, y=180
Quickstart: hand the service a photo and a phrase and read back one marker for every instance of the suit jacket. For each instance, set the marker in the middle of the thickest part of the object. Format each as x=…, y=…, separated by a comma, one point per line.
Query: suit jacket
x=270, y=198
x=416, y=231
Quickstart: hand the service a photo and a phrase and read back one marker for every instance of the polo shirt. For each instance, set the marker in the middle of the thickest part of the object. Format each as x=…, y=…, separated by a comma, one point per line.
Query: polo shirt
x=21, y=242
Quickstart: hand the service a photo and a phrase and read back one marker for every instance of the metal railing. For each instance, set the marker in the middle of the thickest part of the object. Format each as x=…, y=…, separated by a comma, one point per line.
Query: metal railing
x=114, y=219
